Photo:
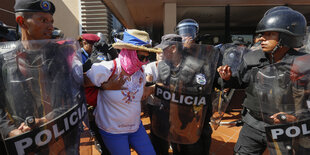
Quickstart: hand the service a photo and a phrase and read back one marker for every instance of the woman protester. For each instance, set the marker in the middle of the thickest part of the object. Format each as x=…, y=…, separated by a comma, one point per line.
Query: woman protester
x=118, y=111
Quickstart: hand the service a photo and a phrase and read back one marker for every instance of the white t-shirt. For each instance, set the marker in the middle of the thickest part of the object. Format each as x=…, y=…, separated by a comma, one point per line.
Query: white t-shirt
x=117, y=111
x=151, y=70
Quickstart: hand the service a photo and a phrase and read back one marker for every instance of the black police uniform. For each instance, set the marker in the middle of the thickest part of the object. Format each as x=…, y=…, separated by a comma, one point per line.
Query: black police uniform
x=106, y=50
x=22, y=6
x=22, y=99
x=190, y=87
x=252, y=137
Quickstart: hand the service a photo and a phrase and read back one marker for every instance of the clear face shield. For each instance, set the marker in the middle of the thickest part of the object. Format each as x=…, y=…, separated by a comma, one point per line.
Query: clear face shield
x=187, y=31
x=41, y=90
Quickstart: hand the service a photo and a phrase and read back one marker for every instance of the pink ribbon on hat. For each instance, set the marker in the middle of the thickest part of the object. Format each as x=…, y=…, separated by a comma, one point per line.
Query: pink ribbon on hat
x=129, y=61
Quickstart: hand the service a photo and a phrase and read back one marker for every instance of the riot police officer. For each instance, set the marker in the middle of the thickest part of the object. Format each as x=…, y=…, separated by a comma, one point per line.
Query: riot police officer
x=187, y=29
x=281, y=30
x=37, y=32
x=41, y=81
x=116, y=35
x=104, y=50
x=183, y=87
x=87, y=41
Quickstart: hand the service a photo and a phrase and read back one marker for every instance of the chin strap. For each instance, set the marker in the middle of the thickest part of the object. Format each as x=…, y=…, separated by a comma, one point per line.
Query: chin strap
x=274, y=50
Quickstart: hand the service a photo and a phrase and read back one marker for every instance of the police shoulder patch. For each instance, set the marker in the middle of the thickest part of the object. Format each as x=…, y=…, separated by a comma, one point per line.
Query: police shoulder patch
x=201, y=79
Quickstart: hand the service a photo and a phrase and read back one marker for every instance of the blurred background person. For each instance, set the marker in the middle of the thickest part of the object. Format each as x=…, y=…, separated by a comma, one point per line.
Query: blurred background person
x=6, y=34
x=239, y=42
x=103, y=50
x=188, y=29
x=57, y=33
x=87, y=42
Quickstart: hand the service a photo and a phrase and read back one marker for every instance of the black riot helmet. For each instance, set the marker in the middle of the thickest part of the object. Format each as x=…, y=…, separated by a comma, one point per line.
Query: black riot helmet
x=290, y=24
x=4, y=30
x=116, y=34
x=6, y=34
x=101, y=36
x=187, y=28
x=277, y=8
x=101, y=45
x=57, y=34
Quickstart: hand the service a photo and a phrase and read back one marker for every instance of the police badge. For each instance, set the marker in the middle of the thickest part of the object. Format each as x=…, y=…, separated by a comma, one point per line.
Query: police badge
x=45, y=5
x=201, y=79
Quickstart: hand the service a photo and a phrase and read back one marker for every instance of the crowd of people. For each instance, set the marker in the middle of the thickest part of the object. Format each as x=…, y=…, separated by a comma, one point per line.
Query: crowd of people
x=51, y=87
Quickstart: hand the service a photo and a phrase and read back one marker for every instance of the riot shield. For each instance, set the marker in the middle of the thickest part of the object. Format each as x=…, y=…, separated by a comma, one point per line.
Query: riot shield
x=42, y=101
x=184, y=83
x=306, y=46
x=284, y=101
x=232, y=56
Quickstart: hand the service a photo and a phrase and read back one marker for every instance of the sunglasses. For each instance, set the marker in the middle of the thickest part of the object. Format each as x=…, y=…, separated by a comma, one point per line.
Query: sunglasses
x=143, y=58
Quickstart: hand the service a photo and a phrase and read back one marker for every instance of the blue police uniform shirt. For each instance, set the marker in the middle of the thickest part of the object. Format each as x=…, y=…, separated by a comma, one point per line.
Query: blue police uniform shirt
x=85, y=56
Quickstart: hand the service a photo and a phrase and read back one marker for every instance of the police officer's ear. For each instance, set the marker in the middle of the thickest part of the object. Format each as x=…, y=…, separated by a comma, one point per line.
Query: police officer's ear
x=172, y=46
x=21, y=22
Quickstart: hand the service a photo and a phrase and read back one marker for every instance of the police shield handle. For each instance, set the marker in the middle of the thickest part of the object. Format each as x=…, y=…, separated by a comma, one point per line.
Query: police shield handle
x=225, y=72
x=24, y=128
x=38, y=121
x=285, y=118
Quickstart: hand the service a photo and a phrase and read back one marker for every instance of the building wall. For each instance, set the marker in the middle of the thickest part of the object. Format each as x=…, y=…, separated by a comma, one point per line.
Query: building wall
x=121, y=12
x=67, y=17
x=75, y=17
x=170, y=16
x=7, y=12
x=95, y=17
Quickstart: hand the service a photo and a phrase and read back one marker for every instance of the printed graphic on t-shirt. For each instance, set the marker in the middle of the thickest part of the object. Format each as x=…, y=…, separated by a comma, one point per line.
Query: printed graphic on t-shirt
x=128, y=96
x=133, y=85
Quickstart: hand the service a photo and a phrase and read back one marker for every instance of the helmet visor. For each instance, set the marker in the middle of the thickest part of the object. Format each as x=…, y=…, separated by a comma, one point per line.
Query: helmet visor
x=187, y=31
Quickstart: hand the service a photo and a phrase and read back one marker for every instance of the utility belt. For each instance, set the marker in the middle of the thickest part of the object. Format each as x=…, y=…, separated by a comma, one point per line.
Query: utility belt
x=253, y=119
x=255, y=114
